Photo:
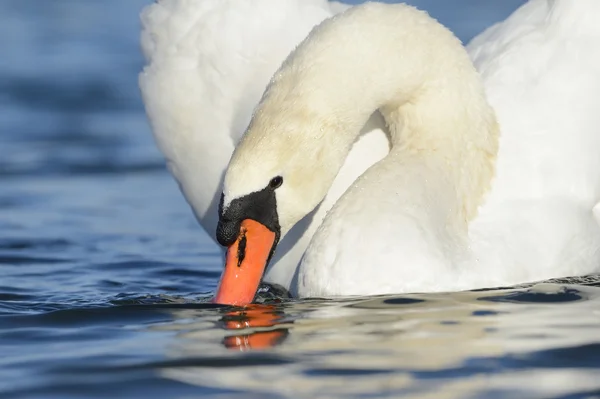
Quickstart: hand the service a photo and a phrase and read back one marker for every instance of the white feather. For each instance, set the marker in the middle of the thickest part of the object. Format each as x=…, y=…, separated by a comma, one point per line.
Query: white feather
x=209, y=62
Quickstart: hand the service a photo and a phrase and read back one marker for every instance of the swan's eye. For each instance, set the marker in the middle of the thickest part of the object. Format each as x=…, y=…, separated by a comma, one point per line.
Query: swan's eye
x=276, y=182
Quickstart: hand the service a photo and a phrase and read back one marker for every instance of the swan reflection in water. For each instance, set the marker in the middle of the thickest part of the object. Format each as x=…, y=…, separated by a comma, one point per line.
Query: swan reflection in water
x=254, y=324
x=438, y=344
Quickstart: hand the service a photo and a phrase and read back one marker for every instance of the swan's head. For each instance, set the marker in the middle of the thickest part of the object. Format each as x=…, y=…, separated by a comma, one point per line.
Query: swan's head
x=279, y=172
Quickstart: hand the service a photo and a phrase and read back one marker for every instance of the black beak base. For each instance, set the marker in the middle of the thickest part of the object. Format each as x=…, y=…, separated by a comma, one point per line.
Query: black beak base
x=260, y=206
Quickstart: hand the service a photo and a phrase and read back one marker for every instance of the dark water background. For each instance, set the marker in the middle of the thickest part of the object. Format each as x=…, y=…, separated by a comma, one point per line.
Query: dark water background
x=103, y=268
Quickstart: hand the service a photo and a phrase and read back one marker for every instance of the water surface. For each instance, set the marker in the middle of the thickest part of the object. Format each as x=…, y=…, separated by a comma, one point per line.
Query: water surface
x=104, y=273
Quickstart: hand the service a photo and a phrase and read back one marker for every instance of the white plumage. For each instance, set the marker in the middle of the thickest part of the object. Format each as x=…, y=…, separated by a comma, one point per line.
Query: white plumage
x=209, y=62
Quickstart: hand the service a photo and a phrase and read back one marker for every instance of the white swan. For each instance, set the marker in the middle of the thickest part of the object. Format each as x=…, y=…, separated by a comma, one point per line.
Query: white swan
x=208, y=63
x=406, y=225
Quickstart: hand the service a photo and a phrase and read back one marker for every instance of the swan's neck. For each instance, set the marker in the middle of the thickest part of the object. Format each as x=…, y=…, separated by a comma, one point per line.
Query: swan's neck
x=394, y=58
x=449, y=128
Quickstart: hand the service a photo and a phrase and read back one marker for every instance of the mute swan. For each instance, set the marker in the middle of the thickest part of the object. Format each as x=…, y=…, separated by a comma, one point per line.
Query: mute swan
x=208, y=63
x=535, y=223
x=409, y=223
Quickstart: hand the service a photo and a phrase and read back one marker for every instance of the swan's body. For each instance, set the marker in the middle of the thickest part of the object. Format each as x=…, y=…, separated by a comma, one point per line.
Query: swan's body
x=540, y=72
x=411, y=222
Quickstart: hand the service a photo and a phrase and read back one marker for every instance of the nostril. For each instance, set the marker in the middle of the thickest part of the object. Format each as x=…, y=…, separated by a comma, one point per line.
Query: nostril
x=241, y=248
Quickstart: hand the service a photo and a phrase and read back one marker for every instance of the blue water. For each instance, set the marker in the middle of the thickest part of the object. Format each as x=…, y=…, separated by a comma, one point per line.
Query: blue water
x=104, y=271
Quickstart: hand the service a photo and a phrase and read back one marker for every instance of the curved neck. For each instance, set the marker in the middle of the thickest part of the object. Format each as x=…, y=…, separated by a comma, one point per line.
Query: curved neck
x=398, y=60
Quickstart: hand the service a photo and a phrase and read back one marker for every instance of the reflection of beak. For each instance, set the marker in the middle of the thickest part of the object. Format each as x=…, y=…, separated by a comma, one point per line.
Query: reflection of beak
x=245, y=264
x=253, y=316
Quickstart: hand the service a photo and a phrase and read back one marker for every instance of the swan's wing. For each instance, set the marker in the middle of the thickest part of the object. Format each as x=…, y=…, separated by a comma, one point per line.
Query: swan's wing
x=541, y=73
x=208, y=63
x=540, y=68
x=492, y=41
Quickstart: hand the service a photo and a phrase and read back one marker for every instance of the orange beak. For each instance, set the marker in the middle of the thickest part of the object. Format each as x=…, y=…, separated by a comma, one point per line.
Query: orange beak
x=245, y=264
